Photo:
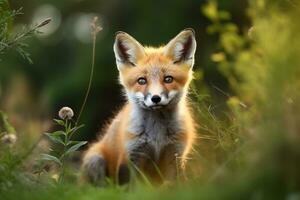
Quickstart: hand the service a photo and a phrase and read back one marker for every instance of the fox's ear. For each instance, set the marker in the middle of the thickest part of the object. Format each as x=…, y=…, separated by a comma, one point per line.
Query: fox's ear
x=127, y=50
x=182, y=48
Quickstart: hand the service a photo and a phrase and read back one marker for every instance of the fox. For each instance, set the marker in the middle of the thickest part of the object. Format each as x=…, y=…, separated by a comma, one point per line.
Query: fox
x=154, y=132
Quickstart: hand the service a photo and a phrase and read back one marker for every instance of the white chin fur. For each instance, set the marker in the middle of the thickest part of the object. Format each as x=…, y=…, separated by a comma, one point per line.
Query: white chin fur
x=139, y=99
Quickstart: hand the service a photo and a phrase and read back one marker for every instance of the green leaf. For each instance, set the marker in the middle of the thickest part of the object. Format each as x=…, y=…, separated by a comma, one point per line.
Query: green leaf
x=56, y=137
x=50, y=158
x=75, y=147
x=74, y=129
x=72, y=143
x=60, y=122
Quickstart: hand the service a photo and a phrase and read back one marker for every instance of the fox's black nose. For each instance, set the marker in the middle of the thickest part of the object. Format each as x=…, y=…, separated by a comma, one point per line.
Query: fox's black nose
x=155, y=99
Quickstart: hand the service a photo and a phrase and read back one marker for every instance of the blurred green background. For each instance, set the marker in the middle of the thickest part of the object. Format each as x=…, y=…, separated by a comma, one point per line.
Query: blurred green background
x=62, y=54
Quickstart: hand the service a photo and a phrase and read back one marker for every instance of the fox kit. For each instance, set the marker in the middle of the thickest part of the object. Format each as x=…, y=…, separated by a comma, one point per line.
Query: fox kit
x=154, y=131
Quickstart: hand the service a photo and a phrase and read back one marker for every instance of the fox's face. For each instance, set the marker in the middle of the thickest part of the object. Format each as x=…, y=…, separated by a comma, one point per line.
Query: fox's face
x=155, y=78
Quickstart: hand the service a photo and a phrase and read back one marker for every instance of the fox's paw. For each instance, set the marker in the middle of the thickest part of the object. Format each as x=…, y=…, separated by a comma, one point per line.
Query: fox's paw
x=124, y=174
x=94, y=169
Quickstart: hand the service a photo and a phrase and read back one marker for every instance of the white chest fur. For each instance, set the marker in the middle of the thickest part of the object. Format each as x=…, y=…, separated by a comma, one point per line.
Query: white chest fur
x=154, y=128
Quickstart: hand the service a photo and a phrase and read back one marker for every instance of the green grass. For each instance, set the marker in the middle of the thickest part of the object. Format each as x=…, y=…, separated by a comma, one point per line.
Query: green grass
x=265, y=186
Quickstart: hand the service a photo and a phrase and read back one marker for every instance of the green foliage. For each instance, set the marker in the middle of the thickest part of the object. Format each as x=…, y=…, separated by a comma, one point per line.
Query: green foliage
x=15, y=40
x=210, y=10
x=262, y=67
x=10, y=160
x=232, y=45
x=63, y=138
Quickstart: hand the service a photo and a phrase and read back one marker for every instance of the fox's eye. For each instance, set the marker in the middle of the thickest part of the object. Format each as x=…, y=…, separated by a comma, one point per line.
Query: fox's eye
x=168, y=79
x=142, y=81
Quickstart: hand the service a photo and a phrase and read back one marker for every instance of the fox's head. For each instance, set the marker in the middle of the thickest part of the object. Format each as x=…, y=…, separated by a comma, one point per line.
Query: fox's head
x=155, y=78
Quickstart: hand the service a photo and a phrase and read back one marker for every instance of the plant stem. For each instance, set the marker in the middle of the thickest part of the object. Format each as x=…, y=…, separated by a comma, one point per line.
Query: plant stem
x=90, y=81
x=62, y=157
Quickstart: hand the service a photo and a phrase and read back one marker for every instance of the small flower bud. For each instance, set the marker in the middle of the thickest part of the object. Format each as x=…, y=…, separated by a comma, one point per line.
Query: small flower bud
x=95, y=27
x=66, y=113
x=9, y=139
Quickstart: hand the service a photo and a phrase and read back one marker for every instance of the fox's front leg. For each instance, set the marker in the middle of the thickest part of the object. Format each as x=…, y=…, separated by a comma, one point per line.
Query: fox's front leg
x=94, y=168
x=140, y=157
x=172, y=164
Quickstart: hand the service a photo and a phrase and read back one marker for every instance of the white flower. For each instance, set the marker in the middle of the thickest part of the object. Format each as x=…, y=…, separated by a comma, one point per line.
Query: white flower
x=66, y=113
x=9, y=139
